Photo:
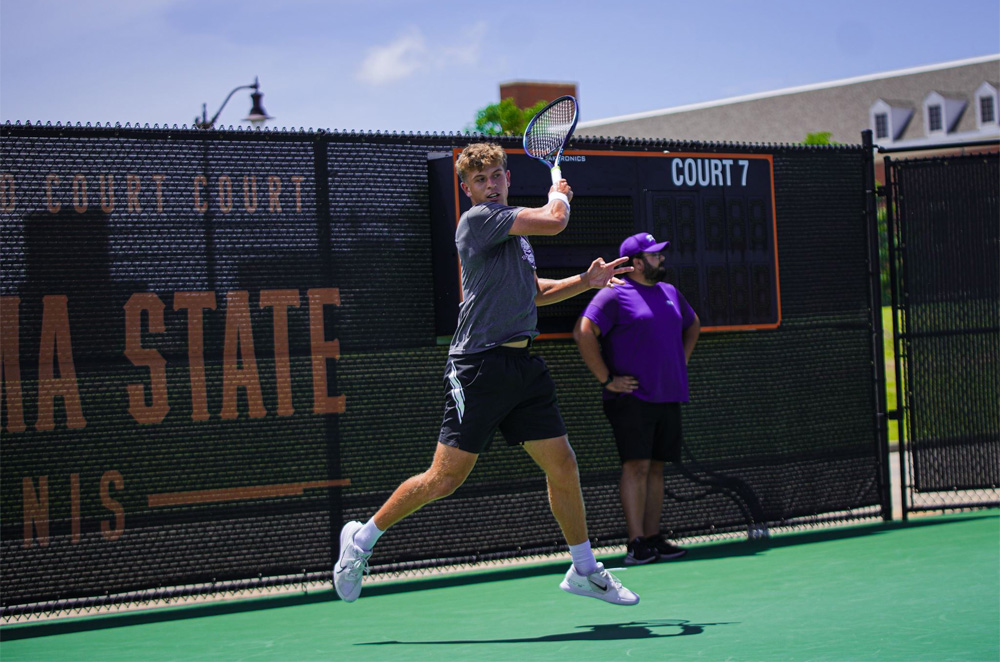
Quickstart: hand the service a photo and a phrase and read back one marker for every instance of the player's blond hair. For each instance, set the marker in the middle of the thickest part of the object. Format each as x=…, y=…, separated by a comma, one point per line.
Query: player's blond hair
x=479, y=156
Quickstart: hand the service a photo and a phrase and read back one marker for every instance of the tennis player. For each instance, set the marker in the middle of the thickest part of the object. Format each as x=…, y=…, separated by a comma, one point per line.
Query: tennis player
x=491, y=379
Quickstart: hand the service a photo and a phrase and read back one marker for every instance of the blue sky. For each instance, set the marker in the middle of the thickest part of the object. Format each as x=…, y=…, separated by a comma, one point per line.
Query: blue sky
x=428, y=66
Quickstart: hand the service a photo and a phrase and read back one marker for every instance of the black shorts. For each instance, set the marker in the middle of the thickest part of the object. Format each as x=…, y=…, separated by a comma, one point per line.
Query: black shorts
x=645, y=430
x=502, y=388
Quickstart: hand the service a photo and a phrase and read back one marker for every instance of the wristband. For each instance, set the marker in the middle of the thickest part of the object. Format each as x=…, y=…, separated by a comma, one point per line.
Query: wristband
x=607, y=381
x=561, y=197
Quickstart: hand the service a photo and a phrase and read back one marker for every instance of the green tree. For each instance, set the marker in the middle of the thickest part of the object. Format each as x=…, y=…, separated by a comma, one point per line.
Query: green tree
x=504, y=118
x=818, y=138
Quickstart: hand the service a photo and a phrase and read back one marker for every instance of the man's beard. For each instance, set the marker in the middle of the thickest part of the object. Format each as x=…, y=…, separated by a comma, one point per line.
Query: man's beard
x=653, y=274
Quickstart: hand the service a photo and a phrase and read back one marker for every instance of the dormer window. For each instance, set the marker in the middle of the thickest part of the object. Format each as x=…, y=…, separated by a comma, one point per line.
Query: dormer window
x=987, y=114
x=934, y=119
x=889, y=119
x=986, y=106
x=881, y=126
x=942, y=112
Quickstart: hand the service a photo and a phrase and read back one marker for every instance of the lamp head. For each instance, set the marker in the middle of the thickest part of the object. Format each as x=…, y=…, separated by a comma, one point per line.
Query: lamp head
x=257, y=114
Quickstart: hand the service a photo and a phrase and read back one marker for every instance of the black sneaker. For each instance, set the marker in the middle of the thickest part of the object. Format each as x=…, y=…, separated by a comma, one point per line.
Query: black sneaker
x=640, y=552
x=663, y=549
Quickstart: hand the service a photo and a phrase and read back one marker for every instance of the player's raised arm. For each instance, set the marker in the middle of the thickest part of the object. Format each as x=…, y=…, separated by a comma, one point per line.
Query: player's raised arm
x=545, y=138
x=548, y=220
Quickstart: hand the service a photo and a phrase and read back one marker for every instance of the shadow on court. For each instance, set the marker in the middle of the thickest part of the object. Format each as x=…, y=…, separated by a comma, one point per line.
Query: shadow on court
x=485, y=574
x=604, y=632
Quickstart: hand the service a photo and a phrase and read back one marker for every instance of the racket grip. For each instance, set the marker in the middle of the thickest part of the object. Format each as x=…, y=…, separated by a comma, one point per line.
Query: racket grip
x=556, y=174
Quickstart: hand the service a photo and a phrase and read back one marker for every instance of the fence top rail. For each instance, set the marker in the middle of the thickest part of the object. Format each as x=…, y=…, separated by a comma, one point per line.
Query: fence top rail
x=931, y=148
x=443, y=138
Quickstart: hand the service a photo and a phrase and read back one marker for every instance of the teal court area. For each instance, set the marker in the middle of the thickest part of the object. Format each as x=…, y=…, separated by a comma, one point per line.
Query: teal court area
x=927, y=589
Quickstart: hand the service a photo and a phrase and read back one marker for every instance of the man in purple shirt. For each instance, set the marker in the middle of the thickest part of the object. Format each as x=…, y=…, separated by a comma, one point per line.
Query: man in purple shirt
x=637, y=338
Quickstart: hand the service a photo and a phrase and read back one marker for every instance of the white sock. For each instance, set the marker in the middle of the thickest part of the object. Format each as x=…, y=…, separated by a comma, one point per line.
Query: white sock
x=368, y=535
x=583, y=558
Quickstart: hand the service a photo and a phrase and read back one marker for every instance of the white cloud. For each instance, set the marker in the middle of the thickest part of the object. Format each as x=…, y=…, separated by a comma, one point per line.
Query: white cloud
x=472, y=43
x=410, y=54
x=396, y=60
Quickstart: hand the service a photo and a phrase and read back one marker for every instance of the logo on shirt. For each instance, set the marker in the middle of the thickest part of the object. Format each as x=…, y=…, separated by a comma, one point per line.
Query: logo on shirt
x=527, y=253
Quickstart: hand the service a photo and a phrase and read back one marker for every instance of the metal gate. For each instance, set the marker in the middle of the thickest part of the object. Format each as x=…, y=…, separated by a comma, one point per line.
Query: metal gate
x=943, y=222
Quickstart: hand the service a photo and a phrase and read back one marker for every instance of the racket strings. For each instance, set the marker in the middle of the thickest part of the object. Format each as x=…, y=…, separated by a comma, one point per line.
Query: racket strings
x=549, y=130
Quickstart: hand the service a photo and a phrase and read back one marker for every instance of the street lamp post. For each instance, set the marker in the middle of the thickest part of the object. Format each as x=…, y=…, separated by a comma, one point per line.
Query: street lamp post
x=257, y=115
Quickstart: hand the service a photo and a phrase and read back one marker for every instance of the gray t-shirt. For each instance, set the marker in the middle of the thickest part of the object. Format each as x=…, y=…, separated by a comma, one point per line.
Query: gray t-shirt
x=498, y=280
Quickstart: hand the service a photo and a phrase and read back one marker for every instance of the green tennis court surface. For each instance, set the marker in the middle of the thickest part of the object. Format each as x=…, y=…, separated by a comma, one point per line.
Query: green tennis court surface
x=928, y=589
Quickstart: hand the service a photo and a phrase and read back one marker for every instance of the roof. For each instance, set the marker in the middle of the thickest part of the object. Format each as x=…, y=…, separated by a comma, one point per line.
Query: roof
x=789, y=115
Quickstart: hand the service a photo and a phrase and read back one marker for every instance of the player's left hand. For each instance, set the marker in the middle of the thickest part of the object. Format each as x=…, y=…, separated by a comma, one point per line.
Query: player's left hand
x=602, y=274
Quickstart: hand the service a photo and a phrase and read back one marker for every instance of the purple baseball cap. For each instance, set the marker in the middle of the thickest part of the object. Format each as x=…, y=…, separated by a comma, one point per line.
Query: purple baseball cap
x=641, y=243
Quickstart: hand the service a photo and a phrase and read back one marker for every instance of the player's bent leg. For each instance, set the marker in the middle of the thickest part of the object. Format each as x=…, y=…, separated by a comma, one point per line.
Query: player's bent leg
x=450, y=468
x=558, y=460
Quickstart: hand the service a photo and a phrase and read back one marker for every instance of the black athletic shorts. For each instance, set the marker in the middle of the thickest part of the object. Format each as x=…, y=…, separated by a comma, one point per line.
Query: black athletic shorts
x=645, y=430
x=502, y=388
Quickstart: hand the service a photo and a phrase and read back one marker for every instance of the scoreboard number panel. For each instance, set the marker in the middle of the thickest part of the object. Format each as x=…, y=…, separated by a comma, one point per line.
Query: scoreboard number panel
x=716, y=210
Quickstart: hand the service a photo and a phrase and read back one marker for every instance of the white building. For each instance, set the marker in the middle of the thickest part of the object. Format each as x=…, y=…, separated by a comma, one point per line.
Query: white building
x=947, y=103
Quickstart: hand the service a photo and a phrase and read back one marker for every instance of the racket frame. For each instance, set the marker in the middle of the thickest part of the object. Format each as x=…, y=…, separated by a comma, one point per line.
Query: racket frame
x=556, y=154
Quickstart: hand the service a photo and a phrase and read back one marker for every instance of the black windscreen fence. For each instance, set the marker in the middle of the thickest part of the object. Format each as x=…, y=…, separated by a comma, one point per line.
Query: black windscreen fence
x=218, y=346
x=949, y=238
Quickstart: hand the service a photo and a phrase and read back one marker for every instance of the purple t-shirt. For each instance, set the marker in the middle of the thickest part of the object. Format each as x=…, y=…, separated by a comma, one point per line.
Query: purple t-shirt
x=641, y=327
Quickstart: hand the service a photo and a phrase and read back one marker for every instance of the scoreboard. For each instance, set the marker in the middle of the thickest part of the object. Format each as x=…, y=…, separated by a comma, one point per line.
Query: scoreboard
x=716, y=210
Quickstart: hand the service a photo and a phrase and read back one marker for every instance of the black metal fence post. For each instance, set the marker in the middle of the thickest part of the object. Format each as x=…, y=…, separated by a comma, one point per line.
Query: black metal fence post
x=878, y=335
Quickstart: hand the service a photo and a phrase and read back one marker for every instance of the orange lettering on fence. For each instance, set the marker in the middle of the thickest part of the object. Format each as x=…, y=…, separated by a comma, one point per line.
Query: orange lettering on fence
x=273, y=191
x=8, y=200
x=108, y=531
x=239, y=363
x=323, y=350
x=132, y=188
x=199, y=183
x=35, y=506
x=56, y=345
x=195, y=303
x=140, y=356
x=280, y=301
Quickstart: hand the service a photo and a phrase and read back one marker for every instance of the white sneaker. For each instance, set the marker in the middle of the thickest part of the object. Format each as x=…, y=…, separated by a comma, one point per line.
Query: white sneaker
x=352, y=565
x=600, y=584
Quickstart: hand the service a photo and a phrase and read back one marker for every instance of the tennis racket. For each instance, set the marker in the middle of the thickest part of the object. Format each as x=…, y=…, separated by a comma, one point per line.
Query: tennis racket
x=548, y=132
